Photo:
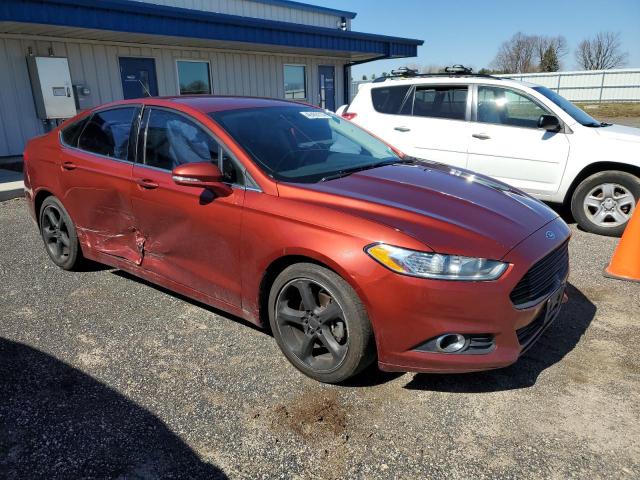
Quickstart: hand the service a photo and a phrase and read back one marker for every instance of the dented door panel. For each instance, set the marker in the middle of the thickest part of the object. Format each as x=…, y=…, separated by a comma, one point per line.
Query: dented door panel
x=96, y=194
x=190, y=235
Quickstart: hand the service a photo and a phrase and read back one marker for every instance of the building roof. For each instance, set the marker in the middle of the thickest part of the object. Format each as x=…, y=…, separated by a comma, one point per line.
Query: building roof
x=152, y=19
x=308, y=7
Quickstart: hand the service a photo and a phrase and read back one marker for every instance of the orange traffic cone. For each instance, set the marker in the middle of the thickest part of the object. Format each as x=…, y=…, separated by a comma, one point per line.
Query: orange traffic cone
x=625, y=264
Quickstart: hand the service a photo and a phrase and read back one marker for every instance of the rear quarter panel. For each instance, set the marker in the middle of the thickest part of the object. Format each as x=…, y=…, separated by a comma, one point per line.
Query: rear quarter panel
x=42, y=167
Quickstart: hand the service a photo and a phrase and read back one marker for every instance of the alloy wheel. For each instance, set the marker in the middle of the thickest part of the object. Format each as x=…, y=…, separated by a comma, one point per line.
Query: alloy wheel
x=55, y=232
x=312, y=324
x=609, y=205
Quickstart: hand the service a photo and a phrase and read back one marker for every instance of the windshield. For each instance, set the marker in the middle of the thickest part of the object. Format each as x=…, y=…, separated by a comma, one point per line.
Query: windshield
x=303, y=144
x=577, y=113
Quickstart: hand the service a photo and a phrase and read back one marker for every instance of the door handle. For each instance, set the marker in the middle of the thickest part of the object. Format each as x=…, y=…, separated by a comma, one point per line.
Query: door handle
x=481, y=136
x=69, y=166
x=402, y=129
x=146, y=183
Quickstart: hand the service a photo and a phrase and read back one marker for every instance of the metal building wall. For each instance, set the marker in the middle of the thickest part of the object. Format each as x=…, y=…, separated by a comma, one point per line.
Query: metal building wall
x=248, y=8
x=96, y=65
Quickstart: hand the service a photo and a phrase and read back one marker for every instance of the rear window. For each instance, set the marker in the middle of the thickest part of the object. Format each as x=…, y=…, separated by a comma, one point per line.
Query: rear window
x=107, y=133
x=389, y=99
x=71, y=133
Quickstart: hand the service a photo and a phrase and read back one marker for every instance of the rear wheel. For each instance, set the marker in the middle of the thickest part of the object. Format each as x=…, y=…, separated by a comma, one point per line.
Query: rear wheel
x=604, y=202
x=320, y=324
x=59, y=234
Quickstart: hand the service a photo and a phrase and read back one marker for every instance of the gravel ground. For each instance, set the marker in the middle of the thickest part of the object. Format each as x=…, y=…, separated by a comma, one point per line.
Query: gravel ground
x=105, y=376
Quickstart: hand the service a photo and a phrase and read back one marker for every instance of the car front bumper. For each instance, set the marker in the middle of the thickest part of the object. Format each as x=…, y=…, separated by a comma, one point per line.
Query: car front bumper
x=406, y=312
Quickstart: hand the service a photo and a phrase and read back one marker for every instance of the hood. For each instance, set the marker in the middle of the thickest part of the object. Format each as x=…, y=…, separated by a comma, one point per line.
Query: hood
x=449, y=210
x=620, y=132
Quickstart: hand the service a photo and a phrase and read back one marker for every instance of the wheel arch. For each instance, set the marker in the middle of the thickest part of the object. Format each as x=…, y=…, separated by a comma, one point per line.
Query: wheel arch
x=279, y=264
x=38, y=200
x=598, y=167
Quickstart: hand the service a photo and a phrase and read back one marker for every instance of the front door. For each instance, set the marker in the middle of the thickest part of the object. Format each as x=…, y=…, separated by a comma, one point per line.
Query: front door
x=191, y=236
x=327, y=83
x=506, y=143
x=138, y=77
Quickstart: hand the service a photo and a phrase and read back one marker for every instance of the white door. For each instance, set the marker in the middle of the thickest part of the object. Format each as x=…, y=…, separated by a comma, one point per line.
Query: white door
x=506, y=143
x=431, y=123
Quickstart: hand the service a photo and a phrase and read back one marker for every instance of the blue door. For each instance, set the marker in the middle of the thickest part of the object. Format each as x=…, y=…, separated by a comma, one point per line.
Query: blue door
x=327, y=83
x=138, y=77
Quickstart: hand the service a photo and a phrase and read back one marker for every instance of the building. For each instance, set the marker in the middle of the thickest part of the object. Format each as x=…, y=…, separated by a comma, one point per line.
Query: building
x=114, y=49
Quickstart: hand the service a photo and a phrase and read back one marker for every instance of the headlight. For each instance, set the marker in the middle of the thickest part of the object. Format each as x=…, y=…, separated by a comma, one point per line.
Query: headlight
x=435, y=265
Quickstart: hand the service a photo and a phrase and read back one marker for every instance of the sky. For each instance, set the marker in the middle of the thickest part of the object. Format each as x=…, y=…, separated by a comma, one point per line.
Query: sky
x=470, y=32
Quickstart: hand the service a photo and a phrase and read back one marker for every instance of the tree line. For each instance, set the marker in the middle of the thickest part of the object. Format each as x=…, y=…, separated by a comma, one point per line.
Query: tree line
x=536, y=53
x=524, y=53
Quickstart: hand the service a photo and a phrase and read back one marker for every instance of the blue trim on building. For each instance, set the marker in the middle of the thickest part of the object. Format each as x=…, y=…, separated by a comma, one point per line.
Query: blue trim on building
x=144, y=18
x=308, y=7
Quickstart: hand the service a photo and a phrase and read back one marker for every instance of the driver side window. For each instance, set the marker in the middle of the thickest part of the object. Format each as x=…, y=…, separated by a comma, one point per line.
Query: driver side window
x=173, y=140
x=503, y=106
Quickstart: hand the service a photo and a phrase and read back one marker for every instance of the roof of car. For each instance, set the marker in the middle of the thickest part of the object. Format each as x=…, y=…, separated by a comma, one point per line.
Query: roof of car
x=216, y=103
x=445, y=79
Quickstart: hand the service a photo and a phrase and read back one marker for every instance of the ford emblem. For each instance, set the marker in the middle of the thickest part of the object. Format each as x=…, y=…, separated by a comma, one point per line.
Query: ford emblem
x=549, y=234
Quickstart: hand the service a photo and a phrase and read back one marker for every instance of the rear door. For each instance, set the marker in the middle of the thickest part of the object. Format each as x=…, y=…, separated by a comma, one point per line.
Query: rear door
x=506, y=143
x=431, y=122
x=97, y=164
x=190, y=235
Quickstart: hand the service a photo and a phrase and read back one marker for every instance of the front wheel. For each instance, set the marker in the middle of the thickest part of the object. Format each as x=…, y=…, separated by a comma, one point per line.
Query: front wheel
x=320, y=323
x=604, y=202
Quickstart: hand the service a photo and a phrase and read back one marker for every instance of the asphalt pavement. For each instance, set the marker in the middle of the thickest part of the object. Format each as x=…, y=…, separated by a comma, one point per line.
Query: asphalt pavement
x=105, y=376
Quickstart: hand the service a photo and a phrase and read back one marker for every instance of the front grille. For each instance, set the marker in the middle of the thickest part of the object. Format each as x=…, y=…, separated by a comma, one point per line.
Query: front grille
x=542, y=279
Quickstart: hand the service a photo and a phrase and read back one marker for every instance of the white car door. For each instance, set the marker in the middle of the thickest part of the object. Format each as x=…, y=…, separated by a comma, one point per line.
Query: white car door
x=430, y=123
x=506, y=143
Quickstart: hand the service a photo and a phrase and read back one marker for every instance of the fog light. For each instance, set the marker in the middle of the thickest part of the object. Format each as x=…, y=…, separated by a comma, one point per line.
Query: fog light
x=450, y=343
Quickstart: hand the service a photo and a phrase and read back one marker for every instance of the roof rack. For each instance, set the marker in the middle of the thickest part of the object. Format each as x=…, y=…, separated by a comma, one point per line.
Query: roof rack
x=453, y=71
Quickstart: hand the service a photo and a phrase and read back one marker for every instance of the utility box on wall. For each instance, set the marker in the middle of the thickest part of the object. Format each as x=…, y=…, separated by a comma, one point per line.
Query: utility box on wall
x=51, y=86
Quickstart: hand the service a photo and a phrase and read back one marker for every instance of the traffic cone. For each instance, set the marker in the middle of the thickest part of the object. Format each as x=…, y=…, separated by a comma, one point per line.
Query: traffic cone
x=625, y=264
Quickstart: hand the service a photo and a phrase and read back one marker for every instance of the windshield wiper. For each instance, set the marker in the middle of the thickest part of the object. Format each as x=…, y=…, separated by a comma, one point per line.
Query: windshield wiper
x=349, y=171
x=598, y=124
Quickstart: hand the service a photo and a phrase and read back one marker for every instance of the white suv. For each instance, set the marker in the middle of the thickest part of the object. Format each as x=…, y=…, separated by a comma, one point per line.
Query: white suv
x=523, y=134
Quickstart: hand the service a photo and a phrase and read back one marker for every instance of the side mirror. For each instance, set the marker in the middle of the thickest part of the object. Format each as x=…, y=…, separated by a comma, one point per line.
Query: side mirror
x=201, y=175
x=550, y=123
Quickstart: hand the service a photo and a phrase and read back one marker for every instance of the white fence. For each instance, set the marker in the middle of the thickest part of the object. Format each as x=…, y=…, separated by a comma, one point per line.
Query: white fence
x=621, y=85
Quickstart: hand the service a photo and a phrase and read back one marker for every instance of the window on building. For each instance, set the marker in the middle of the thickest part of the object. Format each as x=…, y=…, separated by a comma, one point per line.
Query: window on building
x=441, y=102
x=295, y=82
x=389, y=99
x=194, y=78
x=107, y=133
x=507, y=107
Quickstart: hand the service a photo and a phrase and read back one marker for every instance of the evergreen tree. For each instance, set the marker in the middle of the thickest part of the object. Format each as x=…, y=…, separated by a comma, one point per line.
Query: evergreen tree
x=549, y=62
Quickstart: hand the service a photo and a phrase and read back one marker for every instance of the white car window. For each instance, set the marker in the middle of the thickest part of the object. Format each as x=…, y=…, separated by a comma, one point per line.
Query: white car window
x=504, y=106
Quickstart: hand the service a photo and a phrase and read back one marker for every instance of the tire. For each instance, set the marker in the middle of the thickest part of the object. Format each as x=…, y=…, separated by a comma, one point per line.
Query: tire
x=603, y=203
x=59, y=235
x=328, y=315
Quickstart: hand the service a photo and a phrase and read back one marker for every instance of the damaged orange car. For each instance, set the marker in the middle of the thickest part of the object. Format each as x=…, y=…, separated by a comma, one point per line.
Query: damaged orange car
x=299, y=221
